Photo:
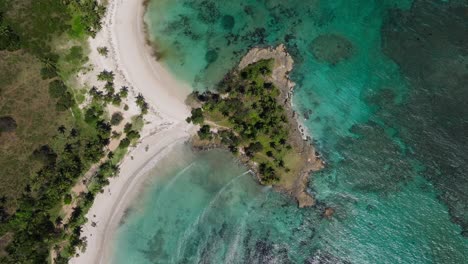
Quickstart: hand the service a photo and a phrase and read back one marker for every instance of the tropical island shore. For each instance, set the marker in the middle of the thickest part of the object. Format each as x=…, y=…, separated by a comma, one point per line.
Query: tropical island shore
x=130, y=58
x=251, y=115
x=124, y=34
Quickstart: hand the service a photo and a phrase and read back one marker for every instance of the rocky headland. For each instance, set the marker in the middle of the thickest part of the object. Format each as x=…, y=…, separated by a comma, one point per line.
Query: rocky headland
x=305, y=160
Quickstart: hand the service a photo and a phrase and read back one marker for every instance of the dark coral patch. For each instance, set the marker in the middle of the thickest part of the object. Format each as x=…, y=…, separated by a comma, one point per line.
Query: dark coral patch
x=331, y=48
x=208, y=12
x=211, y=56
x=228, y=22
x=429, y=43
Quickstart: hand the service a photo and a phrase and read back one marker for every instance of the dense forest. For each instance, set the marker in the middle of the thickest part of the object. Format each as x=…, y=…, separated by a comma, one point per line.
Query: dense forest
x=246, y=117
x=47, y=142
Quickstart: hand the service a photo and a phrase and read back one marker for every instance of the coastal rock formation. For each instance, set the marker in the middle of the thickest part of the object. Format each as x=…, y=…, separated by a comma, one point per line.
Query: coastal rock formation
x=328, y=213
x=284, y=64
x=294, y=182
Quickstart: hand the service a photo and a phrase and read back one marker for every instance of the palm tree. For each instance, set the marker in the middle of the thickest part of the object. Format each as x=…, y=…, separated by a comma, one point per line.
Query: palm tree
x=58, y=221
x=281, y=163
x=140, y=100
x=123, y=92
x=68, y=148
x=49, y=63
x=93, y=91
x=73, y=132
x=282, y=141
x=62, y=129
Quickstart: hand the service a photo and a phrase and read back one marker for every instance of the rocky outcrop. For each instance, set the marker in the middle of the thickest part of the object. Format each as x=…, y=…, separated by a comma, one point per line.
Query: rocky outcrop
x=283, y=65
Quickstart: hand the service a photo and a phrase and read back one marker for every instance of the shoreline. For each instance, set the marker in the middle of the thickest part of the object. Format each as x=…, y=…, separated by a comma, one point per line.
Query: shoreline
x=296, y=185
x=312, y=162
x=131, y=58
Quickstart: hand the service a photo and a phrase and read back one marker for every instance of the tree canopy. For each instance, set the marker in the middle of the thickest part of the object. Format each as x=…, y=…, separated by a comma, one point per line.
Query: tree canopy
x=247, y=117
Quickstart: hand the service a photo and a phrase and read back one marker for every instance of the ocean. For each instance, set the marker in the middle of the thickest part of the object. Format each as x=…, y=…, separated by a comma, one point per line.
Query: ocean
x=382, y=89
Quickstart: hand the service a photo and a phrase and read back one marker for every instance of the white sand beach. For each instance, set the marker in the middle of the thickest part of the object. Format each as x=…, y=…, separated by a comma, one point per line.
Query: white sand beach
x=130, y=58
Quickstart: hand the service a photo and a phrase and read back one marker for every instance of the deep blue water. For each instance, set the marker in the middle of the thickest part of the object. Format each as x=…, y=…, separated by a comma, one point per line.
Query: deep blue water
x=382, y=88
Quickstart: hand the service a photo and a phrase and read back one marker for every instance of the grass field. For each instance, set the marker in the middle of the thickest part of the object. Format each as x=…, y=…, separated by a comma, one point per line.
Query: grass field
x=45, y=143
x=25, y=97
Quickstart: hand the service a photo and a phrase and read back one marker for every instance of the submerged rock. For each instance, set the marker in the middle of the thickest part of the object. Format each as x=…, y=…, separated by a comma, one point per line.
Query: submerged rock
x=211, y=56
x=323, y=257
x=331, y=48
x=228, y=22
x=429, y=43
x=328, y=213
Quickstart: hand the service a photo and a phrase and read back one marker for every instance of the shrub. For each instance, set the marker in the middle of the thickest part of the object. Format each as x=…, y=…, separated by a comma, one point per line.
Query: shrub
x=133, y=135
x=67, y=199
x=204, y=132
x=57, y=88
x=66, y=101
x=44, y=154
x=7, y=124
x=253, y=148
x=91, y=115
x=9, y=40
x=116, y=118
x=48, y=72
x=127, y=127
x=268, y=174
x=75, y=54
x=104, y=51
x=197, y=116
x=124, y=143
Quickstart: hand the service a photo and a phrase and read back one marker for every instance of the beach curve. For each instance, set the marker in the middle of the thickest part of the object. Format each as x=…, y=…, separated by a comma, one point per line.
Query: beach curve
x=124, y=31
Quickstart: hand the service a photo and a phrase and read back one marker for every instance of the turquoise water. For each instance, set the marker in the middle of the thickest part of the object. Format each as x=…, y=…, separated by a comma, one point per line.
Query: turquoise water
x=381, y=88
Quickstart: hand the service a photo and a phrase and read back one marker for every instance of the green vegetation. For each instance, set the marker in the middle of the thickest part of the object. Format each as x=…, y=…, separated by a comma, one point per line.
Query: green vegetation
x=204, y=133
x=141, y=102
x=7, y=124
x=58, y=90
x=48, y=143
x=196, y=117
x=60, y=157
x=116, y=118
x=132, y=135
x=111, y=96
x=123, y=93
x=25, y=103
x=249, y=120
x=104, y=51
x=107, y=76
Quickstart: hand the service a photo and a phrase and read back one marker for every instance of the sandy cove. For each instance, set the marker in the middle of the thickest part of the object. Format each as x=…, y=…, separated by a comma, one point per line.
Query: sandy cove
x=123, y=33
